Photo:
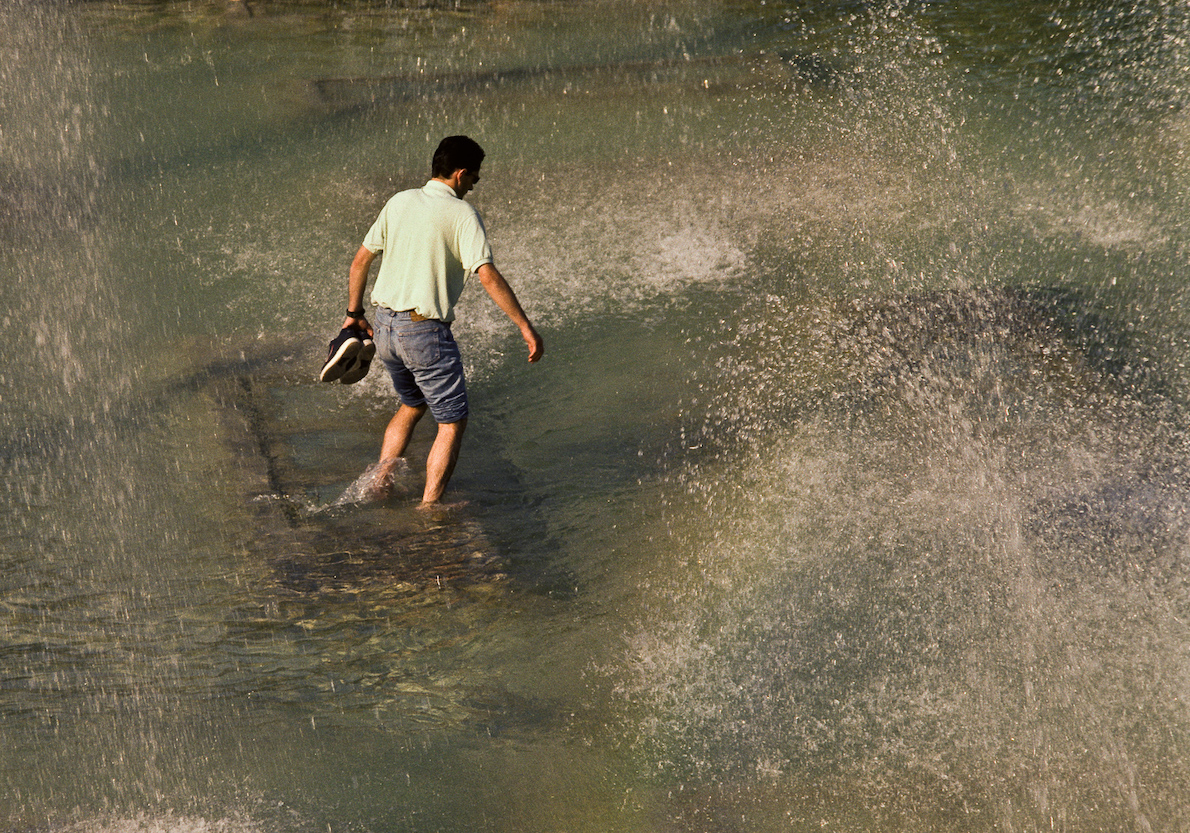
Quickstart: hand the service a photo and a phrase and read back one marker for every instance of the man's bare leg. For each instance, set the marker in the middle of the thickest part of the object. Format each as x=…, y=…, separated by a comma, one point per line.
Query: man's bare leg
x=392, y=449
x=441, y=462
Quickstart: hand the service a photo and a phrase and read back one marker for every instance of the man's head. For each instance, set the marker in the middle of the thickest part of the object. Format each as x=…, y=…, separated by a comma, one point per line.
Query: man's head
x=456, y=153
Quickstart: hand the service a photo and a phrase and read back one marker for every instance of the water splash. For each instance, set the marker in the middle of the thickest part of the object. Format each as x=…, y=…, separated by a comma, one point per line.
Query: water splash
x=942, y=549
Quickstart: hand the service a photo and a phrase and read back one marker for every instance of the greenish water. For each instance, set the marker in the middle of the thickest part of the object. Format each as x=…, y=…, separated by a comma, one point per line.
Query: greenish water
x=850, y=495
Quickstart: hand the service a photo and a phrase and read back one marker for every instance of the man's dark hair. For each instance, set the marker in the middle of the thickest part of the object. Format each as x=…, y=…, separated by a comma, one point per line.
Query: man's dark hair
x=455, y=152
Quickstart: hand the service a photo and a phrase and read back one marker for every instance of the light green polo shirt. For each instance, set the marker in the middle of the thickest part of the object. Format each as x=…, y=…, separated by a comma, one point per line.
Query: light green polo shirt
x=432, y=241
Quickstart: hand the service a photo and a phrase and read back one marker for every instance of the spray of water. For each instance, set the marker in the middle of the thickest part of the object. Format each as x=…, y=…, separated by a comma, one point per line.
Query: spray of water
x=950, y=561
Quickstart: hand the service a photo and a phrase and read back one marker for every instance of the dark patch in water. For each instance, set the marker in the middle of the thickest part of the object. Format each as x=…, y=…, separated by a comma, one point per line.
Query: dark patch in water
x=737, y=71
x=886, y=341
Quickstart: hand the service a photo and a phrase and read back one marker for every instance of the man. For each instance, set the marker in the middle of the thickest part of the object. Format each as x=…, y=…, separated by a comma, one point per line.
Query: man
x=432, y=240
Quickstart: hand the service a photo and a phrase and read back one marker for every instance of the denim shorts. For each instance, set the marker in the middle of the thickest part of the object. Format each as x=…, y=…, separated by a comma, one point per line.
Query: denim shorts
x=424, y=362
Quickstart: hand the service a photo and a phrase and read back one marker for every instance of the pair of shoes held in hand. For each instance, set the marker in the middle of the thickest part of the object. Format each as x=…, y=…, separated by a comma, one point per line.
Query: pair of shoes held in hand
x=350, y=356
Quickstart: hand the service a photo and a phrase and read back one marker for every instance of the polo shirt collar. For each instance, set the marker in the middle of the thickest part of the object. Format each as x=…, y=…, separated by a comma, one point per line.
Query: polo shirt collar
x=436, y=187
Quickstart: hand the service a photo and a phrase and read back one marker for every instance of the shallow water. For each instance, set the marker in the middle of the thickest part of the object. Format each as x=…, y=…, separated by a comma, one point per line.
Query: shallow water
x=850, y=495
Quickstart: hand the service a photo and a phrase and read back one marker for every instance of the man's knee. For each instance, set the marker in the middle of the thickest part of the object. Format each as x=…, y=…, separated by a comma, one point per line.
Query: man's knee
x=456, y=427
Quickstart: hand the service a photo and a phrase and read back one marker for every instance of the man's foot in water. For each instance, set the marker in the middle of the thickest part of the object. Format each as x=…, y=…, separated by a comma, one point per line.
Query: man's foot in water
x=384, y=477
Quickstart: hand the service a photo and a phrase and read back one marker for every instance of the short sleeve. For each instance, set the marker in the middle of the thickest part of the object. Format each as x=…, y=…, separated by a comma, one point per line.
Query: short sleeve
x=474, y=249
x=374, y=239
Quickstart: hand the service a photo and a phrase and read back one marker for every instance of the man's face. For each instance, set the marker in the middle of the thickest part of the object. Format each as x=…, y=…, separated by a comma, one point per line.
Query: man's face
x=467, y=180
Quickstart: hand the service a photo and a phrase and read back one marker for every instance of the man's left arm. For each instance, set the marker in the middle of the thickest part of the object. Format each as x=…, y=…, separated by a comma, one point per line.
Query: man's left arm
x=506, y=300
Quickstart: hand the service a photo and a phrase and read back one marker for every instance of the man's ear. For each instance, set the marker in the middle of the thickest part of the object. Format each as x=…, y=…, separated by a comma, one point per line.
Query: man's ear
x=455, y=179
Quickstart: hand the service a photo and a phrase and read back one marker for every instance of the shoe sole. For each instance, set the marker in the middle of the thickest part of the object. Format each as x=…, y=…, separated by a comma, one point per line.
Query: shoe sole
x=360, y=364
x=337, y=363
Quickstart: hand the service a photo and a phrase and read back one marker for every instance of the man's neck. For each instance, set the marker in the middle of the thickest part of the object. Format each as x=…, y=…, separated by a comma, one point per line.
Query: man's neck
x=451, y=182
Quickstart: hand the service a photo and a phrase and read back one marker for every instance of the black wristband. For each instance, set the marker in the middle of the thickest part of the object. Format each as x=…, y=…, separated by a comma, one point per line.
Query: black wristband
x=356, y=314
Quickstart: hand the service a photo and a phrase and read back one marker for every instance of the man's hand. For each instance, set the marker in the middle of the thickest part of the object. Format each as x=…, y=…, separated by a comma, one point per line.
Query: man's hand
x=360, y=323
x=536, y=345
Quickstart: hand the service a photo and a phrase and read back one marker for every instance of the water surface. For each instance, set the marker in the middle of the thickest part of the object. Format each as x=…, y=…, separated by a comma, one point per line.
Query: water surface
x=850, y=495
